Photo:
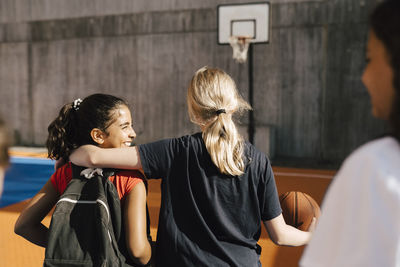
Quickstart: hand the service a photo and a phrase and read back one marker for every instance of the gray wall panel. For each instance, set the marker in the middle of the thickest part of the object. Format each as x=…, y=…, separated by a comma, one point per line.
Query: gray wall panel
x=16, y=106
x=298, y=132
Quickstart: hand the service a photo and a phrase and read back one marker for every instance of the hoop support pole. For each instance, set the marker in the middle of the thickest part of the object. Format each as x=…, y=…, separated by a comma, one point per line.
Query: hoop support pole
x=251, y=128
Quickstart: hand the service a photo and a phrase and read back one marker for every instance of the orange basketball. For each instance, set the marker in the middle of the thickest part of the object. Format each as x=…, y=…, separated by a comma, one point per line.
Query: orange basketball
x=298, y=209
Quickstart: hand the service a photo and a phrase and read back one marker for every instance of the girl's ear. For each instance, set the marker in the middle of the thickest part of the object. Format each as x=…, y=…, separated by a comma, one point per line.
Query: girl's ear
x=98, y=135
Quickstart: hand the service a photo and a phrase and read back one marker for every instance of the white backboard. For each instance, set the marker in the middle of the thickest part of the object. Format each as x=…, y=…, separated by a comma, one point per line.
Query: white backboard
x=250, y=19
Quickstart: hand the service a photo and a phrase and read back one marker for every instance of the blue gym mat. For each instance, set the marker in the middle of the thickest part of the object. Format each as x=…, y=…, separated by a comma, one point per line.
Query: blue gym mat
x=24, y=178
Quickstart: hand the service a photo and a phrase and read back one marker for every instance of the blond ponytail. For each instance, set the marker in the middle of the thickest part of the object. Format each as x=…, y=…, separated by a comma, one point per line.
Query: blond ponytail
x=212, y=100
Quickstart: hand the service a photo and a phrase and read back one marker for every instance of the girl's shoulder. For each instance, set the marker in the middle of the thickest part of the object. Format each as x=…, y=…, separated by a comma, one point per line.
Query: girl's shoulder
x=255, y=160
x=378, y=149
x=175, y=142
x=194, y=141
x=190, y=139
x=379, y=155
x=252, y=152
x=64, y=171
x=61, y=177
x=126, y=180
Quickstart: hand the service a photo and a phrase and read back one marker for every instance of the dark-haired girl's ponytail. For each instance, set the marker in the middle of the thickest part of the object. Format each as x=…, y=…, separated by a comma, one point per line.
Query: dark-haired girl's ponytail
x=62, y=134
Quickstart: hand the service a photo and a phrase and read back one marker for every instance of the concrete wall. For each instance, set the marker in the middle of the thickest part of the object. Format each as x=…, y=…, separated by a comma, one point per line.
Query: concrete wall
x=28, y=10
x=307, y=88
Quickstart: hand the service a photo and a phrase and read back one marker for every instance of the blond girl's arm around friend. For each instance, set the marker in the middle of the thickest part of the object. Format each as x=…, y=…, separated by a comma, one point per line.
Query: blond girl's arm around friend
x=93, y=156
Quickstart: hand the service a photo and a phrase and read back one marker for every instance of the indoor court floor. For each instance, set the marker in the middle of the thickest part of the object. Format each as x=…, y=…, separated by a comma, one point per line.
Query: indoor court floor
x=17, y=252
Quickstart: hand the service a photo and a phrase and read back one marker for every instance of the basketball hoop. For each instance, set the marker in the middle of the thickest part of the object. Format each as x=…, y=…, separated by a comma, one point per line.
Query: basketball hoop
x=240, y=46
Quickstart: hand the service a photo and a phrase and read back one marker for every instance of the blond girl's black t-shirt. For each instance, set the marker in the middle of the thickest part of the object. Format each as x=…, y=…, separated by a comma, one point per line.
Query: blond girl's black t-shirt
x=207, y=218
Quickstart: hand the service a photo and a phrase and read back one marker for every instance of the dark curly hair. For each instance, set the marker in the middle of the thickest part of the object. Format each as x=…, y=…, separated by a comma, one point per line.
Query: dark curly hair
x=385, y=23
x=72, y=127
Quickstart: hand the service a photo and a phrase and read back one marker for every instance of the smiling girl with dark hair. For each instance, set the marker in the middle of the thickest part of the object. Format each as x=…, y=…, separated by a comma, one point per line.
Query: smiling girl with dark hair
x=104, y=121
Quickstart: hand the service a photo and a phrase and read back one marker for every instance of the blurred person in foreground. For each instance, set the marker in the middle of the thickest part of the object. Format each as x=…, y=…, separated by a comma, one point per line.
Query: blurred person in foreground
x=360, y=221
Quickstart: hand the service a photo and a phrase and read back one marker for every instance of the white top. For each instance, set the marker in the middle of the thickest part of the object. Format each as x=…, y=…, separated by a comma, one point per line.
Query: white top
x=360, y=221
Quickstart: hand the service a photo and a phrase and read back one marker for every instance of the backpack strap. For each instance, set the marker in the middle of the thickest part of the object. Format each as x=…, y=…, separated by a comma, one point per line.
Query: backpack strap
x=110, y=191
x=77, y=171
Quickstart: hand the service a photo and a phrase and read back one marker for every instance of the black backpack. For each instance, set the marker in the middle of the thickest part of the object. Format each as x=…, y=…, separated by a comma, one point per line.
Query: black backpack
x=86, y=228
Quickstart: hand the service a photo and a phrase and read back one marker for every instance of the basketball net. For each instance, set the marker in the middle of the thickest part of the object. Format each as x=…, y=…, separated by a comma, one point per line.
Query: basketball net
x=240, y=45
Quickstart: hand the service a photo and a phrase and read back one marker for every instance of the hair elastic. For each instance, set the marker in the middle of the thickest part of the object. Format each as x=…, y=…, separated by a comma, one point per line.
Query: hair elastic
x=219, y=111
x=76, y=103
